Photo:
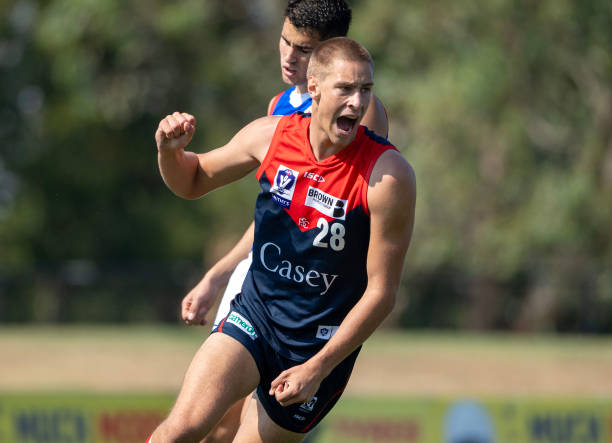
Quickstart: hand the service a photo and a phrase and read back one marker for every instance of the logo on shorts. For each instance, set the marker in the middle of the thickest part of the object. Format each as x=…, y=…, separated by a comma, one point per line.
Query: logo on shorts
x=326, y=332
x=284, y=185
x=309, y=405
x=326, y=203
x=243, y=324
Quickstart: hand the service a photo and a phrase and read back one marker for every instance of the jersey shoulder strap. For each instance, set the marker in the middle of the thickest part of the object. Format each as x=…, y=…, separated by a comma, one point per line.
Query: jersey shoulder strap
x=275, y=102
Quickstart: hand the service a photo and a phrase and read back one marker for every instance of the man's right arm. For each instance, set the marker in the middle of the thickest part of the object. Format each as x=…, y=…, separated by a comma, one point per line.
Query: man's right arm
x=190, y=175
x=202, y=297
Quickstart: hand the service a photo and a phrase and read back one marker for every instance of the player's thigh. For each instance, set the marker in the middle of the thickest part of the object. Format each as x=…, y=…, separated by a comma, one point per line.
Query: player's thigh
x=257, y=427
x=226, y=429
x=222, y=372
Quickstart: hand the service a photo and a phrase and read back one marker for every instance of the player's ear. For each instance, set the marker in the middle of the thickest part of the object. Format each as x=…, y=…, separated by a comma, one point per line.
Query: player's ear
x=313, y=88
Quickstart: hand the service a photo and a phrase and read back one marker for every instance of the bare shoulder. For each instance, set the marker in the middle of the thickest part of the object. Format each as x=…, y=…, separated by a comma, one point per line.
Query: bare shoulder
x=266, y=125
x=257, y=135
x=376, y=118
x=392, y=184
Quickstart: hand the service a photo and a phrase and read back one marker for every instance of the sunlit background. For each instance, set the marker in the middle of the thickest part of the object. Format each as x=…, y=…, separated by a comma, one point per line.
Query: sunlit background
x=504, y=109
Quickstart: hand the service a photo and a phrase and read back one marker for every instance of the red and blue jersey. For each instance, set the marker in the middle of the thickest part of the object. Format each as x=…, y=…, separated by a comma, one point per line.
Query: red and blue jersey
x=312, y=230
x=289, y=102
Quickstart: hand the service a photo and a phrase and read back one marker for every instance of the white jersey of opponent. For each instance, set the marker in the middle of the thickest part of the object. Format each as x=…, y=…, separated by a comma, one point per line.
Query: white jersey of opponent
x=234, y=286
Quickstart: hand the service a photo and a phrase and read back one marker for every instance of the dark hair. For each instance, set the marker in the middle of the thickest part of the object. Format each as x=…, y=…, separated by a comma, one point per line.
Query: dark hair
x=328, y=18
x=338, y=48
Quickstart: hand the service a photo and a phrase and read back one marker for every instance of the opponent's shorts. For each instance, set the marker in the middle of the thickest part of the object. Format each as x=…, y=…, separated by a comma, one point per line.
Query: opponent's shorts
x=234, y=286
x=297, y=417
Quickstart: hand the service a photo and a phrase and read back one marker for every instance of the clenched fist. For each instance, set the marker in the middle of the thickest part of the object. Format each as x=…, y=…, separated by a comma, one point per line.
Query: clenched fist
x=175, y=131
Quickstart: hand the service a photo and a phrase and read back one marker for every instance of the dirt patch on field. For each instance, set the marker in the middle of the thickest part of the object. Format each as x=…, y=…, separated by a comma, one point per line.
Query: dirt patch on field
x=154, y=359
x=456, y=373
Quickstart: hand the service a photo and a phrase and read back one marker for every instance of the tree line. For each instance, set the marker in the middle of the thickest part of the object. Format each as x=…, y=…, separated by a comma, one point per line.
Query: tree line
x=504, y=108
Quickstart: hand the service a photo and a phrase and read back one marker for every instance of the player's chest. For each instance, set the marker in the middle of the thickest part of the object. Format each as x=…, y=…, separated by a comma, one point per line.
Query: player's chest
x=315, y=196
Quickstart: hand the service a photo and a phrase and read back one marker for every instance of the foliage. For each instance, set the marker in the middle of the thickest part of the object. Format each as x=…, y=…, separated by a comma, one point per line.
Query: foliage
x=505, y=110
x=503, y=107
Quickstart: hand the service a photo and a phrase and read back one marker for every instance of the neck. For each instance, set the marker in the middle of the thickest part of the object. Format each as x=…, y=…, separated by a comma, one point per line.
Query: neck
x=322, y=146
x=302, y=88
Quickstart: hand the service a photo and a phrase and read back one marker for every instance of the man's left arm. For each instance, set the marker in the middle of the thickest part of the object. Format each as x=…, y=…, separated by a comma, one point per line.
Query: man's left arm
x=391, y=201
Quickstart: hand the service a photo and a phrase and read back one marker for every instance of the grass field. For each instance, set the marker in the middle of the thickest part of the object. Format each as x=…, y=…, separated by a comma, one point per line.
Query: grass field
x=153, y=359
x=82, y=383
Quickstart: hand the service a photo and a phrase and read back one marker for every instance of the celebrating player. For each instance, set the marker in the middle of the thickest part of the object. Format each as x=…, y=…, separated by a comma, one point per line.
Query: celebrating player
x=306, y=24
x=332, y=225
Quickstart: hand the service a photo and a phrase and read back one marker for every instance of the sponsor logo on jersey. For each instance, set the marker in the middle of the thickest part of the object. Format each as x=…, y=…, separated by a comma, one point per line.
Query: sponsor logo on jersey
x=315, y=177
x=270, y=255
x=326, y=203
x=284, y=186
x=326, y=332
x=242, y=323
x=309, y=405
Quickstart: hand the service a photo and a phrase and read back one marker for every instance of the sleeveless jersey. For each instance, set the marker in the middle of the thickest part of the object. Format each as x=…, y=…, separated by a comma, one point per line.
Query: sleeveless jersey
x=312, y=230
x=284, y=103
x=290, y=101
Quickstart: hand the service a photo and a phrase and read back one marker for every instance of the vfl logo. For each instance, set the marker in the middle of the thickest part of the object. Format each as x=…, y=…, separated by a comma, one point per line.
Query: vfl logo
x=243, y=324
x=284, y=185
x=309, y=405
x=326, y=203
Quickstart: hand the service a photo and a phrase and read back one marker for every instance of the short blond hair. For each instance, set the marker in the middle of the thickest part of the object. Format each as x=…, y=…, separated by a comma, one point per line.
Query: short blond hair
x=338, y=48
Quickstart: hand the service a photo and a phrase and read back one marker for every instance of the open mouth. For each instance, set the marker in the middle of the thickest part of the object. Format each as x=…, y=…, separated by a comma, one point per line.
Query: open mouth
x=346, y=124
x=288, y=71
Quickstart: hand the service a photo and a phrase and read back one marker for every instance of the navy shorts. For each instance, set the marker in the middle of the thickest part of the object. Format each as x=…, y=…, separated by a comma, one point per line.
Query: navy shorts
x=297, y=417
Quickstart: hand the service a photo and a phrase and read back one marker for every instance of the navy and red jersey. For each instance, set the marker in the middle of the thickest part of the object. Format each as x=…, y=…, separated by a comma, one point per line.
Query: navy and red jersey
x=312, y=231
x=290, y=101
